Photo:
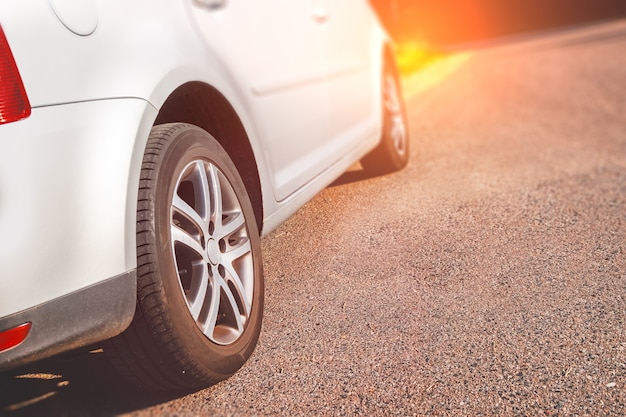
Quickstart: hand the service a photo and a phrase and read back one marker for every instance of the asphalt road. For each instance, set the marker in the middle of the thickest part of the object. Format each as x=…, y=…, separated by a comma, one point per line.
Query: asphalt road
x=487, y=278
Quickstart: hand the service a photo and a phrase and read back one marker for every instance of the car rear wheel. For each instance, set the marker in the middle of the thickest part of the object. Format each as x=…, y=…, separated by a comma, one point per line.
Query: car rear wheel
x=200, y=280
x=392, y=154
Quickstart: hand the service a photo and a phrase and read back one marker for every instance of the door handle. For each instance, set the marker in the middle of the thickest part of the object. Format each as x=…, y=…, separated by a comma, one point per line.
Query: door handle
x=320, y=15
x=319, y=11
x=212, y=4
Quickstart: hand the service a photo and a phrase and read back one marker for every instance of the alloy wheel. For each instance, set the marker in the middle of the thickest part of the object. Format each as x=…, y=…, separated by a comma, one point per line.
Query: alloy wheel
x=393, y=107
x=212, y=252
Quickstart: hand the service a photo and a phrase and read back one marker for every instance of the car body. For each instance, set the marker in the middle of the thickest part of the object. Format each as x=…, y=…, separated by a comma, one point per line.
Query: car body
x=290, y=90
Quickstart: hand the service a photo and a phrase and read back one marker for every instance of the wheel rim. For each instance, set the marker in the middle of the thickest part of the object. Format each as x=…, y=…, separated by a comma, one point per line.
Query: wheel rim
x=212, y=252
x=395, y=114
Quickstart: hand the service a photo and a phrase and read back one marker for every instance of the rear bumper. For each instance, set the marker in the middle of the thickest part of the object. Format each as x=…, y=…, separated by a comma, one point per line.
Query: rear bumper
x=75, y=320
x=69, y=177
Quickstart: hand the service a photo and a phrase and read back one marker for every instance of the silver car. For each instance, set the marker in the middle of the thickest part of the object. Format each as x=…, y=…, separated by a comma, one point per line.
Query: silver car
x=146, y=147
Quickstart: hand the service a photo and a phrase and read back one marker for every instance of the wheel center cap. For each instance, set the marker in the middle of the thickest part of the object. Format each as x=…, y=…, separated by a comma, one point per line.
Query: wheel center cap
x=213, y=250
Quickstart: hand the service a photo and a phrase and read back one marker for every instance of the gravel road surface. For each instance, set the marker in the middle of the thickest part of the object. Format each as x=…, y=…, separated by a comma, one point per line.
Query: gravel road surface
x=487, y=278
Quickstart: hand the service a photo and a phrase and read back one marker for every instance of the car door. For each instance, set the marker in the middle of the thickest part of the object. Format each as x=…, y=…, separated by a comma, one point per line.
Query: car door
x=353, y=80
x=273, y=48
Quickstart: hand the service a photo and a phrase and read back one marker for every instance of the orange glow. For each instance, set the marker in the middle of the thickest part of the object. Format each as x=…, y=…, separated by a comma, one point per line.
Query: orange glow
x=423, y=67
x=461, y=22
x=415, y=55
x=434, y=72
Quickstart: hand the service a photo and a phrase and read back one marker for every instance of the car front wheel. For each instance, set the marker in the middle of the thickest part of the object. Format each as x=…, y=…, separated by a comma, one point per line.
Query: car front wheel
x=392, y=153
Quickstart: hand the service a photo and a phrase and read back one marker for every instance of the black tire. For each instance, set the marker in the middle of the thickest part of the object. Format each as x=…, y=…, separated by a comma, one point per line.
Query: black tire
x=392, y=153
x=171, y=344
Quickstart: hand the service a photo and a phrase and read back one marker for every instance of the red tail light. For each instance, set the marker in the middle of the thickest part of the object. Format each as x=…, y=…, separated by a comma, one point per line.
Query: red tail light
x=14, y=104
x=13, y=337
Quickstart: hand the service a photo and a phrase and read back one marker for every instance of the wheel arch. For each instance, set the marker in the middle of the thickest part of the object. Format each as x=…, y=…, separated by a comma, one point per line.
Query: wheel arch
x=202, y=105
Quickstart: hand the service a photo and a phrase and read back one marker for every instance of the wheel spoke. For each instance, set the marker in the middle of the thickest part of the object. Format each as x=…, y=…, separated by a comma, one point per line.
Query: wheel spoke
x=234, y=223
x=216, y=202
x=214, y=307
x=202, y=187
x=200, y=285
x=233, y=306
x=238, y=317
x=220, y=288
x=189, y=213
x=236, y=252
x=241, y=290
x=228, y=261
x=181, y=236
